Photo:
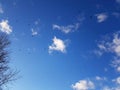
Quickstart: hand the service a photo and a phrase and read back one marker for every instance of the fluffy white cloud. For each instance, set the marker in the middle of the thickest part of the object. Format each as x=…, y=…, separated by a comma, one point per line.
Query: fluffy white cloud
x=5, y=27
x=34, y=32
x=66, y=29
x=83, y=85
x=101, y=17
x=57, y=45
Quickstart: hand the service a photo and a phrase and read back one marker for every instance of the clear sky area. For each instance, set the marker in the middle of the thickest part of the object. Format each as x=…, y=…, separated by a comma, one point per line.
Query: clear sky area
x=63, y=44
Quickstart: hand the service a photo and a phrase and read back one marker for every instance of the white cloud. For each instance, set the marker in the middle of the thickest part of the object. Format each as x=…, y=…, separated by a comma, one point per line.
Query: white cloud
x=111, y=88
x=98, y=52
x=98, y=78
x=34, y=32
x=118, y=68
x=103, y=84
x=5, y=27
x=83, y=85
x=112, y=46
x=101, y=46
x=35, y=29
x=116, y=43
x=101, y=17
x=57, y=45
x=66, y=29
x=118, y=80
x=116, y=64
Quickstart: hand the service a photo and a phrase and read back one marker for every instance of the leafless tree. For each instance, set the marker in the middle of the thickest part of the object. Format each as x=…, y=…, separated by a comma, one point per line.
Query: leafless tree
x=6, y=73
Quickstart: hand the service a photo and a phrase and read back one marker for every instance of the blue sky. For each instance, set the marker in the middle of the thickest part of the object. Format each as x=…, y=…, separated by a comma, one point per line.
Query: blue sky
x=63, y=44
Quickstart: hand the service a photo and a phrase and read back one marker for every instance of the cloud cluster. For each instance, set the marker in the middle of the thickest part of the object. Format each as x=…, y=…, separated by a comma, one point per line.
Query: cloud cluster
x=101, y=17
x=57, y=45
x=66, y=29
x=5, y=27
x=112, y=46
x=83, y=85
x=97, y=83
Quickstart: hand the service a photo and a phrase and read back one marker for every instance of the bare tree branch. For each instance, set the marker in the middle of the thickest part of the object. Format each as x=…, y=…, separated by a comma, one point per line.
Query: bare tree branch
x=6, y=73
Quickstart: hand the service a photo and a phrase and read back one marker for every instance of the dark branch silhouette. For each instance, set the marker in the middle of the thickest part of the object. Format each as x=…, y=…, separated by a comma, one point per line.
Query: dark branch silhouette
x=6, y=73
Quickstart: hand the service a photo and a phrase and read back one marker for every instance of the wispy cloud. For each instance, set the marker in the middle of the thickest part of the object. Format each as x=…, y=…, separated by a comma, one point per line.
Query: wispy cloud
x=112, y=46
x=1, y=10
x=83, y=85
x=116, y=64
x=57, y=45
x=70, y=27
x=101, y=17
x=98, y=78
x=66, y=29
x=117, y=80
x=35, y=28
x=33, y=32
x=5, y=27
x=110, y=88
